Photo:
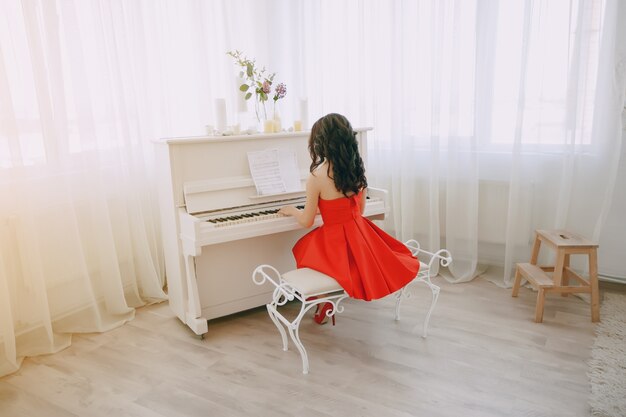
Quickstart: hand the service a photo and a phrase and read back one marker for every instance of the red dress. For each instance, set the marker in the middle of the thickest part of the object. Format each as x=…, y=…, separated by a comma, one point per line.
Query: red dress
x=367, y=262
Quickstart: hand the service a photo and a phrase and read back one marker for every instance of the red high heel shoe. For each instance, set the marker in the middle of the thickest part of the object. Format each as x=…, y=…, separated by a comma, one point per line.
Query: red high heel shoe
x=317, y=307
x=320, y=315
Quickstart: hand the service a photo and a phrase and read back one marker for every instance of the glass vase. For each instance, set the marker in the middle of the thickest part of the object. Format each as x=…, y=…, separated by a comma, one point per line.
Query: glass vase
x=276, y=117
x=265, y=123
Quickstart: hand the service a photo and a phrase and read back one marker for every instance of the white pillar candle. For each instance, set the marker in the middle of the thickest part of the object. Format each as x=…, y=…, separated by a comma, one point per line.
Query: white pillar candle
x=220, y=114
x=304, y=112
x=268, y=126
x=297, y=125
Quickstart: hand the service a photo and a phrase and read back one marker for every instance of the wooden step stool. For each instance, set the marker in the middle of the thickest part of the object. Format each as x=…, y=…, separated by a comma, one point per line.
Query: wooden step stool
x=565, y=244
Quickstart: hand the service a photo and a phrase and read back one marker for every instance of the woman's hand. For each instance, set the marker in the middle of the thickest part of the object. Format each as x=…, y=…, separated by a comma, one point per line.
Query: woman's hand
x=289, y=211
x=305, y=217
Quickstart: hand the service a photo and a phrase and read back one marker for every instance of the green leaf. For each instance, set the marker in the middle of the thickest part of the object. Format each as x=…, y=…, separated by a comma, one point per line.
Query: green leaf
x=248, y=95
x=249, y=70
x=241, y=74
x=244, y=87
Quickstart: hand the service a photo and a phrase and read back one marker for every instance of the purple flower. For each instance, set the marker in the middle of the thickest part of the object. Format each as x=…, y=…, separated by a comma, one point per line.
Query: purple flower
x=267, y=87
x=280, y=91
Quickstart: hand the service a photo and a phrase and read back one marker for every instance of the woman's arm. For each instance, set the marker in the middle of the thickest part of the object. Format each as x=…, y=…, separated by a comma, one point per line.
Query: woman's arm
x=362, y=199
x=305, y=217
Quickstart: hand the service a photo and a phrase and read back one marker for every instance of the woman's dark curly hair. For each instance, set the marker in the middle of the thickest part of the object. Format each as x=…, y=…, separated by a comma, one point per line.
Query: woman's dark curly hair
x=333, y=139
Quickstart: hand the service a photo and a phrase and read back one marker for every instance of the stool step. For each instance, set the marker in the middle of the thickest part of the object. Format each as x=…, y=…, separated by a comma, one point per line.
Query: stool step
x=535, y=275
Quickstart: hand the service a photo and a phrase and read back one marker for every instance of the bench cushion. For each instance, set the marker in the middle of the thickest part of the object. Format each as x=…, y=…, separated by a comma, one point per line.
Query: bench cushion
x=309, y=282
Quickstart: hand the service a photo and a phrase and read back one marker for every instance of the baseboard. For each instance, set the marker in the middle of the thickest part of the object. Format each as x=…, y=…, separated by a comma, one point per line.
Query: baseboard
x=613, y=286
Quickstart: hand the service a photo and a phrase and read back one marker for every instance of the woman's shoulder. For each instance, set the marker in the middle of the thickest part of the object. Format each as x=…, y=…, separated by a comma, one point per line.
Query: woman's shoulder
x=321, y=175
x=316, y=179
x=321, y=170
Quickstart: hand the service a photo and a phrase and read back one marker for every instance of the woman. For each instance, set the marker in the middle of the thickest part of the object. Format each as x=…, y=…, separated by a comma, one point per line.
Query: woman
x=367, y=262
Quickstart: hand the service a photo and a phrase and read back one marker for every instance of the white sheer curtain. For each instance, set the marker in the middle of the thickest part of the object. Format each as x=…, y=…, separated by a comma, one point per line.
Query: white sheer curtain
x=84, y=88
x=516, y=128
x=491, y=119
x=79, y=238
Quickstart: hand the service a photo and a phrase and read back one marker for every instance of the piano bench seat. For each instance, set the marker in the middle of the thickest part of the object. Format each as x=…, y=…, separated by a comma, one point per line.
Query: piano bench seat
x=311, y=283
x=313, y=288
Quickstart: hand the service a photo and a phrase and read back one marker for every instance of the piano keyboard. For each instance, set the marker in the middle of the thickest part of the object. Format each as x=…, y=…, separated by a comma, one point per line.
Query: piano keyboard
x=234, y=218
x=247, y=217
x=249, y=221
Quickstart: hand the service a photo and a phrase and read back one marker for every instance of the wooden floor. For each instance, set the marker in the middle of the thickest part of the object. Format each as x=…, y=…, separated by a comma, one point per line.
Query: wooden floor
x=484, y=357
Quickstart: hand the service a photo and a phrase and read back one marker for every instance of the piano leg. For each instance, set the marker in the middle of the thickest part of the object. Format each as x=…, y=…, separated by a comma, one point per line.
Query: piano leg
x=193, y=317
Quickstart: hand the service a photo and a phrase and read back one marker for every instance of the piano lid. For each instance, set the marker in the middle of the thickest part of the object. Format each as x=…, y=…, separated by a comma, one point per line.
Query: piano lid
x=225, y=193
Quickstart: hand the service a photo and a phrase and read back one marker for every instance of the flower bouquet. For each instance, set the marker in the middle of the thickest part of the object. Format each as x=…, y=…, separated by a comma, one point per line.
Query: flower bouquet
x=257, y=82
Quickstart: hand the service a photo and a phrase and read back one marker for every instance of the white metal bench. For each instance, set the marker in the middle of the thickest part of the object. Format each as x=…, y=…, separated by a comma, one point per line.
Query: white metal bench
x=313, y=288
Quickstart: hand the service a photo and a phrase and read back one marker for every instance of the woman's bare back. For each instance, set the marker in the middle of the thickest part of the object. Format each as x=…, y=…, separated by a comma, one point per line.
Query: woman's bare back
x=327, y=188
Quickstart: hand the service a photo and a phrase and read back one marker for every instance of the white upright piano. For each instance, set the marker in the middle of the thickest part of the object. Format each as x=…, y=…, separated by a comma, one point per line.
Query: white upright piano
x=216, y=229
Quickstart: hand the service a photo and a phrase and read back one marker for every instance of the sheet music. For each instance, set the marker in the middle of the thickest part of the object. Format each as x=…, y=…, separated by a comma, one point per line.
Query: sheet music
x=274, y=171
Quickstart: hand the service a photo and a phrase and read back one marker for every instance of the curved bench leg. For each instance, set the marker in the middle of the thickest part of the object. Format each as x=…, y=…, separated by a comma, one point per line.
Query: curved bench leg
x=399, y=297
x=435, y=294
x=295, y=336
x=405, y=293
x=272, y=313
